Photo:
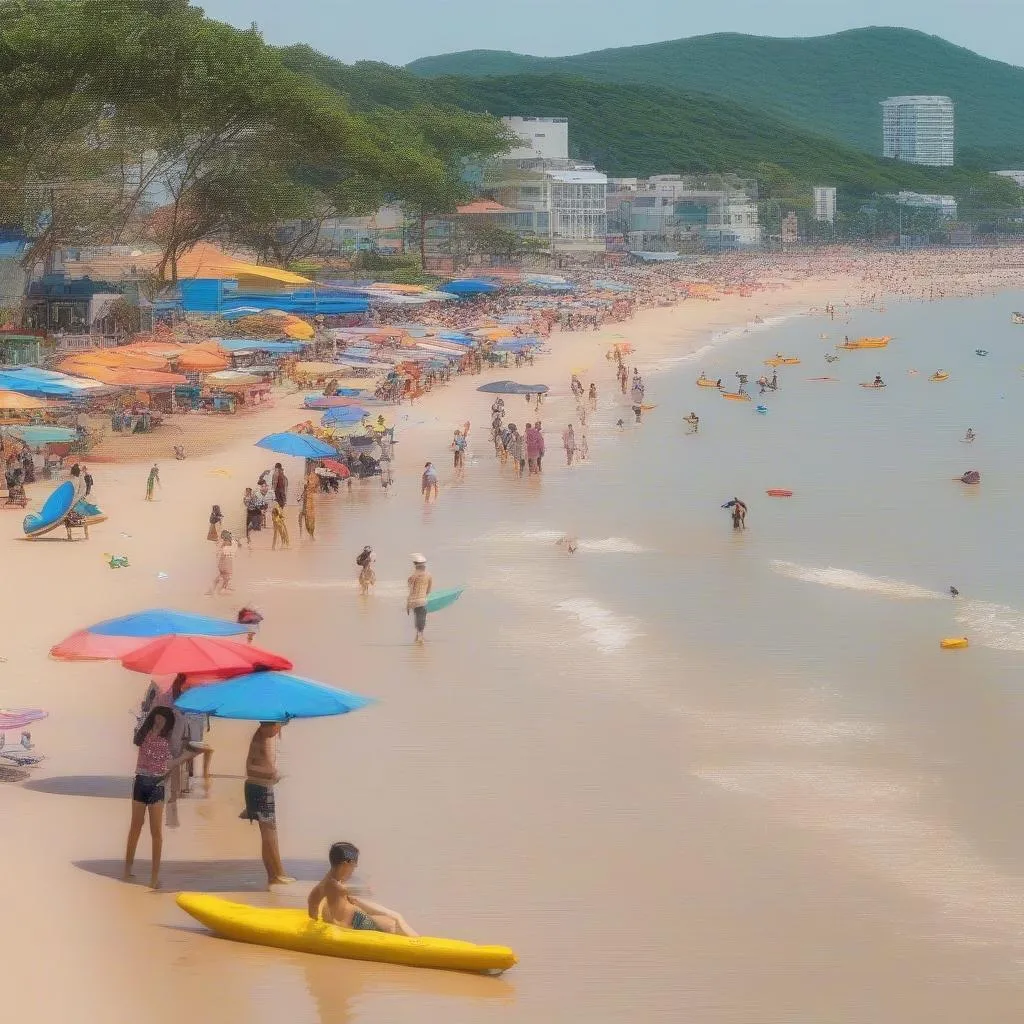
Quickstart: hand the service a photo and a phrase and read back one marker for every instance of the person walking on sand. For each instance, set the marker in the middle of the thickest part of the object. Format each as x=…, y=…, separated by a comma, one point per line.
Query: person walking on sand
x=216, y=518
x=569, y=443
x=225, y=565
x=253, y=514
x=428, y=483
x=459, y=454
x=539, y=429
x=280, y=525
x=584, y=448
x=420, y=585
x=260, y=778
x=279, y=483
x=149, y=793
x=152, y=481
x=307, y=505
x=532, y=448
x=367, y=574
x=517, y=450
x=592, y=397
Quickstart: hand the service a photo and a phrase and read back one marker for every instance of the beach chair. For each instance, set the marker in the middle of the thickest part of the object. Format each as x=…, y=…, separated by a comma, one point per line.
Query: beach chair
x=20, y=756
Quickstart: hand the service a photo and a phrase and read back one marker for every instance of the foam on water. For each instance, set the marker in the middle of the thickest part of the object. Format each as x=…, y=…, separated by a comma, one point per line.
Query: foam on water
x=608, y=632
x=850, y=579
x=383, y=588
x=992, y=625
x=598, y=546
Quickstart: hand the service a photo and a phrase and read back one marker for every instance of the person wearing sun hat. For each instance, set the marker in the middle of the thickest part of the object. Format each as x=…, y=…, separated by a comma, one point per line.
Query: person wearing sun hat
x=420, y=585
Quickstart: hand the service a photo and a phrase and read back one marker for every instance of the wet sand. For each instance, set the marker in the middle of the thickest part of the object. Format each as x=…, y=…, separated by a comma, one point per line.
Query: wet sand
x=500, y=791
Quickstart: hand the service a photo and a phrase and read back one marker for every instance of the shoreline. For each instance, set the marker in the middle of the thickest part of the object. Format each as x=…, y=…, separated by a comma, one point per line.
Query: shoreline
x=70, y=835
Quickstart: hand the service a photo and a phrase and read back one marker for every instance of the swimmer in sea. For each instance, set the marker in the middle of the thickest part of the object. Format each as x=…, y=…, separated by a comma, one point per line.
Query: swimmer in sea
x=878, y=382
x=569, y=542
x=338, y=906
x=954, y=593
x=970, y=435
x=693, y=422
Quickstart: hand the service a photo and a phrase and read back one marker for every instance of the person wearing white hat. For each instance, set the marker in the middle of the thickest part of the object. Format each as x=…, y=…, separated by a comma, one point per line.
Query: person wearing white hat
x=420, y=585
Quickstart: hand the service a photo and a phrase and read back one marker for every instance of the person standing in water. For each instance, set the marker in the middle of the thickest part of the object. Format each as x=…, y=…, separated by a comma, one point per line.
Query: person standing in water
x=569, y=443
x=428, y=482
x=260, y=778
x=225, y=565
x=367, y=574
x=153, y=480
x=420, y=585
x=592, y=397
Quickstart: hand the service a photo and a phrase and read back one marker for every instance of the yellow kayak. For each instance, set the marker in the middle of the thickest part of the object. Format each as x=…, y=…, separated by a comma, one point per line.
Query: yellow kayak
x=865, y=343
x=939, y=375
x=736, y=396
x=782, y=361
x=953, y=643
x=707, y=382
x=293, y=929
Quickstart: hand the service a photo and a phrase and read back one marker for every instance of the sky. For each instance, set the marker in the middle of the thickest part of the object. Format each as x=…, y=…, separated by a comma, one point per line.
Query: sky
x=398, y=31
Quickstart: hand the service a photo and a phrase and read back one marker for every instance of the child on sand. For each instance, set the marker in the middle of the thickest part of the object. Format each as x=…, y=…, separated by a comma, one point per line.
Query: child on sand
x=280, y=525
x=216, y=518
x=225, y=565
x=332, y=902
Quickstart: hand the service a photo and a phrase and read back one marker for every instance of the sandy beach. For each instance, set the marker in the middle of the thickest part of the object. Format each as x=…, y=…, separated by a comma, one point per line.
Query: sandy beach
x=496, y=796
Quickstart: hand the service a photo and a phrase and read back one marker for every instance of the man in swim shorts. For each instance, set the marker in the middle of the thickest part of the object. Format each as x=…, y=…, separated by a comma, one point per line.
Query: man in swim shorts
x=260, y=777
x=331, y=901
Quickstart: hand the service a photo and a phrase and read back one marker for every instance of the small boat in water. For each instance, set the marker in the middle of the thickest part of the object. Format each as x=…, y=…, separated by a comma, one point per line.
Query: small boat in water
x=872, y=384
x=859, y=343
x=939, y=375
x=780, y=360
x=707, y=382
x=981, y=351
x=736, y=396
x=1017, y=318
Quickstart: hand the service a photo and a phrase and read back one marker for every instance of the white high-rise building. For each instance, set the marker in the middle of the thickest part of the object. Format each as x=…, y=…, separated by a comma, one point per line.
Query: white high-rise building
x=544, y=138
x=918, y=130
x=825, y=204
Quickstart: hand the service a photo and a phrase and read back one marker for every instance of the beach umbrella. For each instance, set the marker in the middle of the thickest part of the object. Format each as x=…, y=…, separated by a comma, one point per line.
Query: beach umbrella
x=169, y=655
x=337, y=467
x=156, y=622
x=86, y=646
x=16, y=400
x=344, y=414
x=457, y=337
x=269, y=697
x=301, y=445
x=510, y=387
x=18, y=718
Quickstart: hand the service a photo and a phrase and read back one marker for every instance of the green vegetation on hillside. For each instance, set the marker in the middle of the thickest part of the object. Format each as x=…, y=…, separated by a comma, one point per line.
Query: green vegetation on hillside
x=642, y=130
x=829, y=85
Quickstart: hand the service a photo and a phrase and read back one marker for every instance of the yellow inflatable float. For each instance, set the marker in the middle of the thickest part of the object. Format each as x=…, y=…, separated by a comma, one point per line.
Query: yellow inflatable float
x=736, y=396
x=293, y=929
x=953, y=643
x=939, y=375
x=782, y=361
x=707, y=382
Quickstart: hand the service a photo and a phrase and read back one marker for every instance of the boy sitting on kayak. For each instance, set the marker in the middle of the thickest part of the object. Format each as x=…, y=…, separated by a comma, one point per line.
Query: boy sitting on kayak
x=342, y=908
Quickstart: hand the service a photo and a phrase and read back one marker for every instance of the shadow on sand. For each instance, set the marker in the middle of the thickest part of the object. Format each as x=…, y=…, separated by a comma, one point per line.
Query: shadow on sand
x=117, y=787
x=207, y=875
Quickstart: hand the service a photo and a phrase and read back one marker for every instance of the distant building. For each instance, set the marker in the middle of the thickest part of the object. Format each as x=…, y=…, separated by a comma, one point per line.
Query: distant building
x=944, y=205
x=544, y=138
x=789, y=228
x=1017, y=176
x=825, y=204
x=918, y=130
x=670, y=211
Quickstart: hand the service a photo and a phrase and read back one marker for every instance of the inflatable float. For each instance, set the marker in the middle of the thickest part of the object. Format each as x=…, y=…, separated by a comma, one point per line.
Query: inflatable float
x=782, y=361
x=860, y=343
x=707, y=382
x=779, y=492
x=872, y=384
x=939, y=375
x=58, y=507
x=736, y=396
x=981, y=351
x=293, y=929
x=953, y=643
x=834, y=380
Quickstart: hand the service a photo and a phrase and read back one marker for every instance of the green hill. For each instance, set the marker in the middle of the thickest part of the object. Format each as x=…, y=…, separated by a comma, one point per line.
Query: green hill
x=641, y=130
x=829, y=85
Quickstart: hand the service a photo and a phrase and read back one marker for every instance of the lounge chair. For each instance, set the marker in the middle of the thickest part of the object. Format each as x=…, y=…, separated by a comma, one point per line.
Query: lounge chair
x=19, y=756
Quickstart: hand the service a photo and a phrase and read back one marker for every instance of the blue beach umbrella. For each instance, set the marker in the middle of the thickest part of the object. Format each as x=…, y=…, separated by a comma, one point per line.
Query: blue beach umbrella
x=468, y=286
x=457, y=337
x=510, y=387
x=301, y=445
x=155, y=622
x=269, y=697
x=342, y=415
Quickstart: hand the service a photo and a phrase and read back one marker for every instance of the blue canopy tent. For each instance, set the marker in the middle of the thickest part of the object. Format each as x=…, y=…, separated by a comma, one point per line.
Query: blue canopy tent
x=469, y=286
x=457, y=337
x=515, y=344
x=344, y=415
x=256, y=345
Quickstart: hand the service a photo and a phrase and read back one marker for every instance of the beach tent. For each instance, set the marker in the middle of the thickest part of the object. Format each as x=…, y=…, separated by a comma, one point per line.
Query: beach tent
x=256, y=345
x=469, y=286
x=34, y=436
x=202, y=360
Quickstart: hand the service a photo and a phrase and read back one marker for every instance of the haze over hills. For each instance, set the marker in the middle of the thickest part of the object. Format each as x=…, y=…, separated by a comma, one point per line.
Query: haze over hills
x=829, y=85
x=631, y=130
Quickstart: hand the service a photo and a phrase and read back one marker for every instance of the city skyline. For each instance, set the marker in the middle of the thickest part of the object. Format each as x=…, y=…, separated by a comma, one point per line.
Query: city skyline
x=988, y=27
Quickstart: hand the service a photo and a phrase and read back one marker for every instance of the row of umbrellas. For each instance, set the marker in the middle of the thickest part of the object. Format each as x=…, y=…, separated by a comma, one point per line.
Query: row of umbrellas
x=225, y=678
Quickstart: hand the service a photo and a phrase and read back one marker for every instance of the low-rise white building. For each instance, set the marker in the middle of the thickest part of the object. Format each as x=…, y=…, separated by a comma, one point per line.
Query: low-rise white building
x=544, y=138
x=825, y=204
x=944, y=205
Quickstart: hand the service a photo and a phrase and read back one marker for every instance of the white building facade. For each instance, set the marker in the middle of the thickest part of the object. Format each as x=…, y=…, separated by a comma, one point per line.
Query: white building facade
x=918, y=130
x=543, y=138
x=825, y=204
x=945, y=206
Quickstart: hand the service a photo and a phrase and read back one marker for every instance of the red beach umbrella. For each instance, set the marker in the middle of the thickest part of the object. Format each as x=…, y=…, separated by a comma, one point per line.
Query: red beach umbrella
x=337, y=467
x=209, y=655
